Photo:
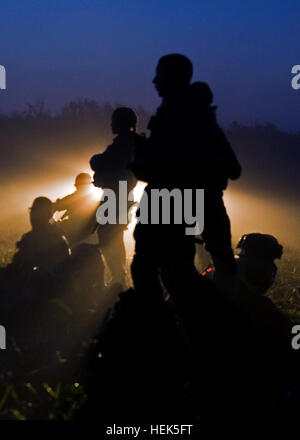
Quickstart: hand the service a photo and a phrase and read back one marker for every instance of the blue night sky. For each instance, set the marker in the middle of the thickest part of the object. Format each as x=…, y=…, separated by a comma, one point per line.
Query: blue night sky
x=107, y=50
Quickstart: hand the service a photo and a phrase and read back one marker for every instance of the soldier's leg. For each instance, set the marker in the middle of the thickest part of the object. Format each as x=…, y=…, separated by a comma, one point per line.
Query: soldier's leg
x=217, y=238
x=113, y=249
x=177, y=262
x=145, y=266
x=192, y=294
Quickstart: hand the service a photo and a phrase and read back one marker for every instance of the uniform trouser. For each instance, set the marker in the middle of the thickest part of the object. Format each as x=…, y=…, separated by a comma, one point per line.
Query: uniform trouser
x=217, y=238
x=163, y=254
x=164, y=251
x=113, y=248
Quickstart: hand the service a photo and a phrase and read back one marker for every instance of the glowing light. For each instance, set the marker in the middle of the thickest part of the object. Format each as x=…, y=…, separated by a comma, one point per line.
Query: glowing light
x=128, y=235
x=96, y=192
x=138, y=191
x=65, y=187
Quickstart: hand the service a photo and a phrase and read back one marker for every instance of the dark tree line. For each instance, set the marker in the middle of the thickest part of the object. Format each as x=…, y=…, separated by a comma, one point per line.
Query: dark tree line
x=35, y=137
x=270, y=158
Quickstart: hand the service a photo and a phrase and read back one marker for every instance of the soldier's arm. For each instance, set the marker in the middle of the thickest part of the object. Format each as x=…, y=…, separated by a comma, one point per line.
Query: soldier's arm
x=22, y=254
x=63, y=247
x=93, y=161
x=147, y=165
x=96, y=161
x=62, y=204
x=139, y=164
x=227, y=155
x=57, y=206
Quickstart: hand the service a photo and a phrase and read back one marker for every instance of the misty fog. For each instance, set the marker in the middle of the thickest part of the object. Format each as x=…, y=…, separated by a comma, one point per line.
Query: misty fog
x=41, y=155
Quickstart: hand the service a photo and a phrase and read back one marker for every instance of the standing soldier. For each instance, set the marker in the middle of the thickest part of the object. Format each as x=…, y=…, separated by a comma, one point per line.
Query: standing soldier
x=183, y=151
x=110, y=168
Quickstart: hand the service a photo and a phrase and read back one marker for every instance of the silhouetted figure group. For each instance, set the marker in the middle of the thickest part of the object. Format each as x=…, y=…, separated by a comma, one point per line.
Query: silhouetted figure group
x=171, y=305
x=186, y=149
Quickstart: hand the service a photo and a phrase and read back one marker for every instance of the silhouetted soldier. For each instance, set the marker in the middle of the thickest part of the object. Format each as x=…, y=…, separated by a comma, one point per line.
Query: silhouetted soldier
x=184, y=150
x=79, y=220
x=44, y=247
x=36, y=268
x=110, y=168
x=220, y=164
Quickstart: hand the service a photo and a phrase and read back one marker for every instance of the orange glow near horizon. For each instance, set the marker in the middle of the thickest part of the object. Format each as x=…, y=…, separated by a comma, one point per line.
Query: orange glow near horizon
x=128, y=235
x=67, y=187
x=248, y=211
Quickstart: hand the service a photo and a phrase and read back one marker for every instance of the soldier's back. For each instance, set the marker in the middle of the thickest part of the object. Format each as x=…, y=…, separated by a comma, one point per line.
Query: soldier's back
x=112, y=166
x=45, y=247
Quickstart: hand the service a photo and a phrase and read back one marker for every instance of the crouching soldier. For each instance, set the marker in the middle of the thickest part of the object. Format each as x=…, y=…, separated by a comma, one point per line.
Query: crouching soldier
x=41, y=255
x=44, y=247
x=79, y=219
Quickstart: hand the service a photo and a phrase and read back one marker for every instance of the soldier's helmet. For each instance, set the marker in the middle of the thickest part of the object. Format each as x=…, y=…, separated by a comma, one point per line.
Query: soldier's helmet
x=41, y=211
x=82, y=179
x=260, y=245
x=201, y=91
x=123, y=118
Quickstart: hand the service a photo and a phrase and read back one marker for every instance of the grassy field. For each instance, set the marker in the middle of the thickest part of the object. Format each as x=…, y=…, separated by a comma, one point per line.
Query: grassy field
x=55, y=392
x=285, y=292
